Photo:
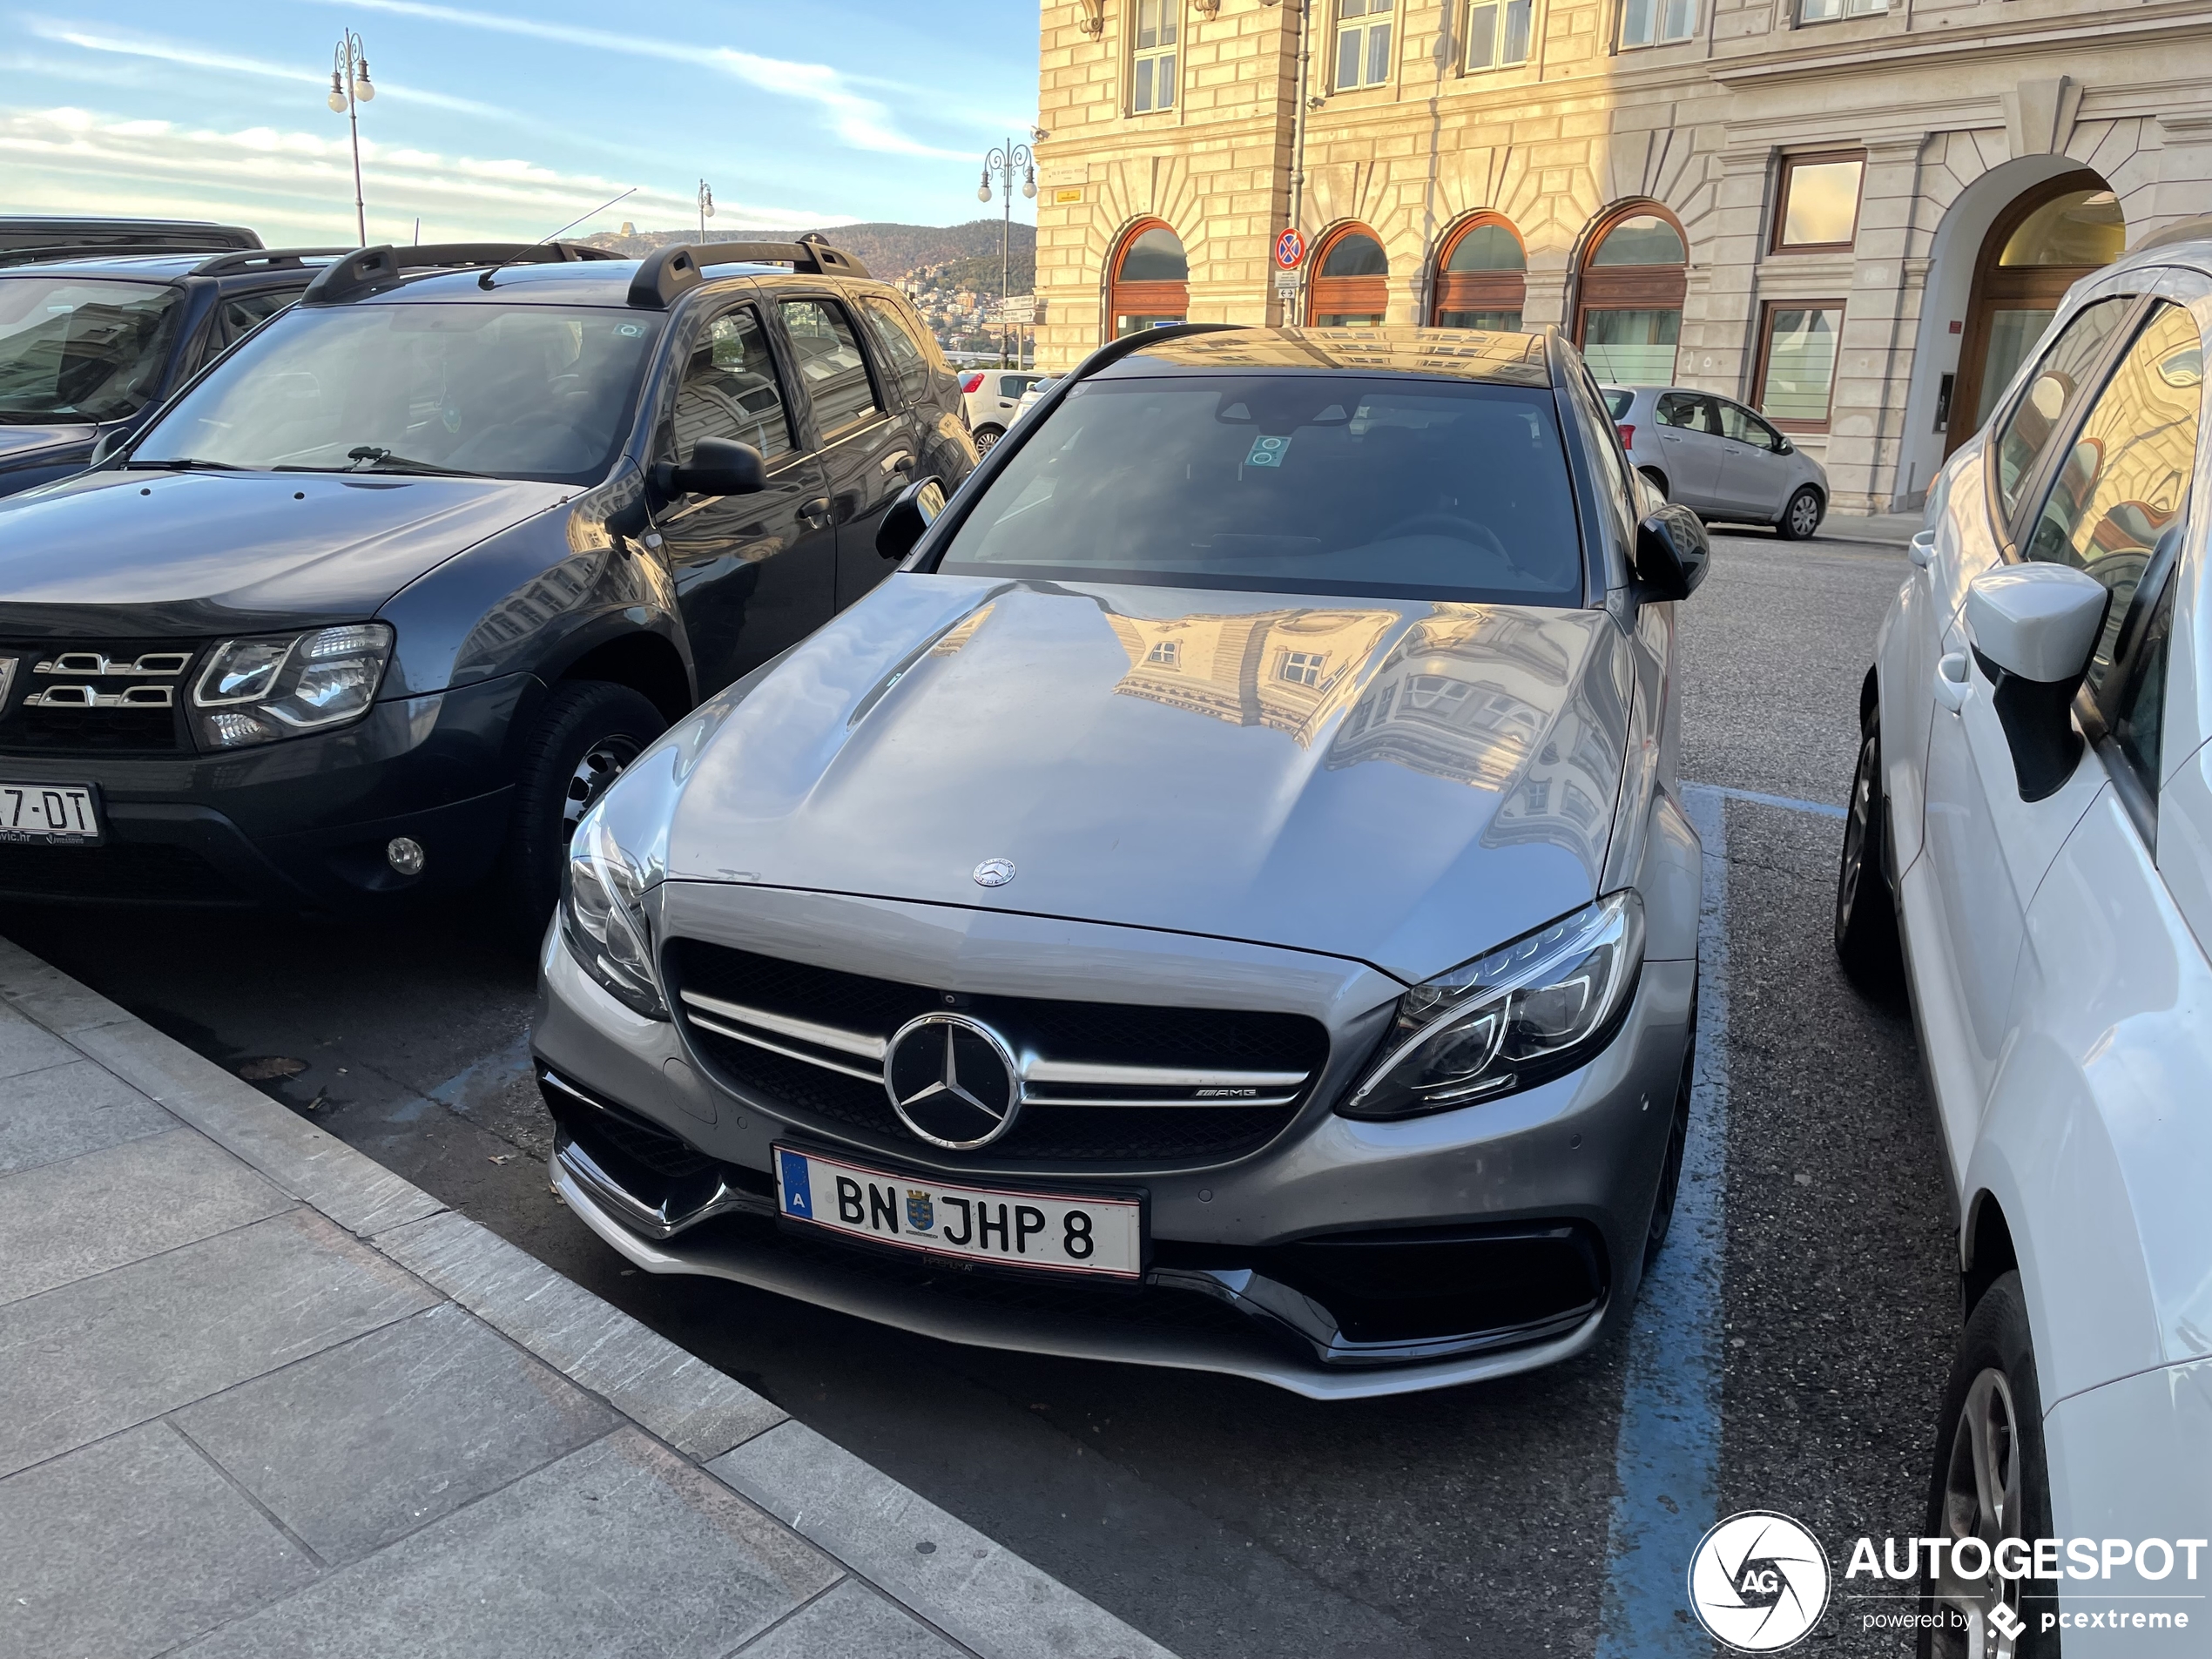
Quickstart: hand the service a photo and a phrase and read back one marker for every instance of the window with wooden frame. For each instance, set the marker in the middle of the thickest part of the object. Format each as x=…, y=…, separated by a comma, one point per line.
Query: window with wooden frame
x=1796, y=376
x=1150, y=284
x=1657, y=23
x=1152, y=55
x=1629, y=295
x=1481, y=276
x=1350, y=285
x=1831, y=11
x=1500, y=33
x=1363, y=43
x=1816, y=202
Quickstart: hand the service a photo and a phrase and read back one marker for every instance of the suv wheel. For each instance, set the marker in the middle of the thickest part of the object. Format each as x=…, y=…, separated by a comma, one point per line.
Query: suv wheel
x=1990, y=1481
x=1802, y=517
x=1866, y=909
x=986, y=436
x=587, y=732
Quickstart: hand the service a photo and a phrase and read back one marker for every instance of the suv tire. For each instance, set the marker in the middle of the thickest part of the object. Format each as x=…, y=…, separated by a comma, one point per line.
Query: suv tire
x=1802, y=517
x=1866, y=940
x=1990, y=1481
x=586, y=733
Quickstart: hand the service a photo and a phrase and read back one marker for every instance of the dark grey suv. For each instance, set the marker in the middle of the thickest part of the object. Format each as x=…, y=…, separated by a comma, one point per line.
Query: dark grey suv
x=376, y=605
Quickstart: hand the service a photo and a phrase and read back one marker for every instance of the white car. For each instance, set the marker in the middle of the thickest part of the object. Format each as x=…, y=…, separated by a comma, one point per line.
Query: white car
x=2035, y=791
x=991, y=398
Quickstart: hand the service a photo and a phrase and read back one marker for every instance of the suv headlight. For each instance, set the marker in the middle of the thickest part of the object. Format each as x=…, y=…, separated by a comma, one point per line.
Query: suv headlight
x=257, y=690
x=1525, y=1013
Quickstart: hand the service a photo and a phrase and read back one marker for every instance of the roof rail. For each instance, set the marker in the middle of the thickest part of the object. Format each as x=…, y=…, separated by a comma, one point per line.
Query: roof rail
x=283, y=259
x=2188, y=230
x=666, y=273
x=367, y=268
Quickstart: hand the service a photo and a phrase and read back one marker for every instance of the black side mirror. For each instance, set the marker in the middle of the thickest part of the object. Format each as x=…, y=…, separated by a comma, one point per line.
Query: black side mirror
x=108, y=444
x=718, y=467
x=917, y=507
x=1672, y=550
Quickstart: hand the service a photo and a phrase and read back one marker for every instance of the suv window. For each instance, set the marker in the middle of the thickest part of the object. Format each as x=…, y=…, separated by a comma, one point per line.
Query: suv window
x=1297, y=483
x=2062, y=382
x=730, y=391
x=2142, y=714
x=2127, y=475
x=241, y=313
x=902, y=354
x=84, y=350
x=830, y=364
x=1688, y=411
x=1739, y=423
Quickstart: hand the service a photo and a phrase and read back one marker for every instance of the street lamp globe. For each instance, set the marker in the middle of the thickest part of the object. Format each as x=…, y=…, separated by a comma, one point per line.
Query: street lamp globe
x=983, y=190
x=337, y=99
x=362, y=90
x=1030, y=185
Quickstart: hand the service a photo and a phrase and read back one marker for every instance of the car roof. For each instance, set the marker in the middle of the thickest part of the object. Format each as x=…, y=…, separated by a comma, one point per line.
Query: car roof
x=585, y=282
x=172, y=267
x=1449, y=354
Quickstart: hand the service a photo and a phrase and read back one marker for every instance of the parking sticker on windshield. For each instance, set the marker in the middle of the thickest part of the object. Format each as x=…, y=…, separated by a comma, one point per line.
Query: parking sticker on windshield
x=1267, y=452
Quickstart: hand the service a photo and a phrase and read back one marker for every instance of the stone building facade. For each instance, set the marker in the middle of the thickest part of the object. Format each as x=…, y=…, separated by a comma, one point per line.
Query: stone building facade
x=1874, y=207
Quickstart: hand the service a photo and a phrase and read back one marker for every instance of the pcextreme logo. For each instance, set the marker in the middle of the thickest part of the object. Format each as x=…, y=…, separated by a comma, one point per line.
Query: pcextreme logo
x=1758, y=1582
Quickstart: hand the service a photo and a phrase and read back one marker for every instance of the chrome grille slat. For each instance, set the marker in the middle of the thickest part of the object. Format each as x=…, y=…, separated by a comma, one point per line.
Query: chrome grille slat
x=1111, y=1075
x=822, y=1037
x=741, y=1035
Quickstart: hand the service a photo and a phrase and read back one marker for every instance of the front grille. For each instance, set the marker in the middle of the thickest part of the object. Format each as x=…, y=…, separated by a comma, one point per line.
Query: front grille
x=1144, y=1123
x=94, y=697
x=120, y=872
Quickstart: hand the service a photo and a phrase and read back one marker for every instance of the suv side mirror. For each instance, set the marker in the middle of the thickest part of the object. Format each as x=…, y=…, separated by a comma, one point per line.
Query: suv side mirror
x=1672, y=550
x=917, y=507
x=2034, y=627
x=718, y=467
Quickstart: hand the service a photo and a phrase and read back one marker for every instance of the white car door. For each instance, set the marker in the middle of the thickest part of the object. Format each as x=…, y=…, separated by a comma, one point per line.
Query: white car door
x=2123, y=479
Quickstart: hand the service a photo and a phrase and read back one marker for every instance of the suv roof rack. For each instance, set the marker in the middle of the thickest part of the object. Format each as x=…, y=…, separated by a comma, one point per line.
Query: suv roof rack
x=274, y=258
x=369, y=268
x=666, y=273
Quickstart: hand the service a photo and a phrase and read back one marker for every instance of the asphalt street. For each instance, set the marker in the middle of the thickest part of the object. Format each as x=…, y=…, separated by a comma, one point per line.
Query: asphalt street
x=1227, y=1520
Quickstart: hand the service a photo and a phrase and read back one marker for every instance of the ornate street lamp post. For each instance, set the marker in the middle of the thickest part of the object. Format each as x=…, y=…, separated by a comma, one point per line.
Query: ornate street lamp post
x=350, y=88
x=1003, y=161
x=706, y=207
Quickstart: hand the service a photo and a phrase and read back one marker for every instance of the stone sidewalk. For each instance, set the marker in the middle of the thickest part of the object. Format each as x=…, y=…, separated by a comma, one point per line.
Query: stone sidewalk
x=259, y=1396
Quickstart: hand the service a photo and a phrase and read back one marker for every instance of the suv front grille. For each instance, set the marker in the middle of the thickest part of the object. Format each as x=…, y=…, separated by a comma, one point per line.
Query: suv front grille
x=1104, y=1081
x=106, y=697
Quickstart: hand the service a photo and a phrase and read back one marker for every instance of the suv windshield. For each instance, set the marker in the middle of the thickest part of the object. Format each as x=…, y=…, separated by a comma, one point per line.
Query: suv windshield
x=1405, y=489
x=506, y=392
x=77, y=350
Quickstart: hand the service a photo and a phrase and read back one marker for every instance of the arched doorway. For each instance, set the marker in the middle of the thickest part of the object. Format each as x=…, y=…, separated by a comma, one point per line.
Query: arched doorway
x=1351, y=281
x=1151, y=280
x=1481, y=276
x=2049, y=238
x=1628, y=295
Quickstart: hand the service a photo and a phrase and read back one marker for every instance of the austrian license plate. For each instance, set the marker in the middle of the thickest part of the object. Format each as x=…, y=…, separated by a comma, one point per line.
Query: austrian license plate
x=49, y=813
x=1060, y=1233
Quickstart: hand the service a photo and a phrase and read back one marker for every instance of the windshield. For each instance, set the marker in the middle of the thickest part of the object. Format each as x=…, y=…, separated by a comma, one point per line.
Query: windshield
x=1288, y=484
x=505, y=392
x=74, y=350
x=1617, y=403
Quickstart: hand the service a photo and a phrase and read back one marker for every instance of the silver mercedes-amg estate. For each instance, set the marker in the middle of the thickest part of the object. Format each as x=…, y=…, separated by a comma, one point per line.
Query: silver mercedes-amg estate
x=1222, y=902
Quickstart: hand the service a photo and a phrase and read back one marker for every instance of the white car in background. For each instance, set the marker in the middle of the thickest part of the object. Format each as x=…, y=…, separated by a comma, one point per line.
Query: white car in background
x=2035, y=792
x=991, y=399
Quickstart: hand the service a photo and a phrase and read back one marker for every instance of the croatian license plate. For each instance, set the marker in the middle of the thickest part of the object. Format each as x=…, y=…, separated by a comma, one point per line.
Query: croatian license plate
x=49, y=813
x=1060, y=1232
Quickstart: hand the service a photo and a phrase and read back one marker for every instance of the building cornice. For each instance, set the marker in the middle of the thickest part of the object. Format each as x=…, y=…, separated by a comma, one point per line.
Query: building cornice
x=1890, y=51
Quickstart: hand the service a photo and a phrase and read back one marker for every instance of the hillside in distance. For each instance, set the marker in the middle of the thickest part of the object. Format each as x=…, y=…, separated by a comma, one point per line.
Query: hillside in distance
x=957, y=256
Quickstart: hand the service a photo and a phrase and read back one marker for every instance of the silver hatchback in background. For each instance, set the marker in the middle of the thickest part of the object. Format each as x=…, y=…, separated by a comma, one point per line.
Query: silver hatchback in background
x=1718, y=459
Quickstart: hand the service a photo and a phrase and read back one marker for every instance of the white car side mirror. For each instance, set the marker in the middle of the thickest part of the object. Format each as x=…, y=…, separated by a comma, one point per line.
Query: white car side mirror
x=2034, y=627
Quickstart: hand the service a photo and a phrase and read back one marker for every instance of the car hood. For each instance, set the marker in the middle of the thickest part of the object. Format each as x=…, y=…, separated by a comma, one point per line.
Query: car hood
x=1408, y=785
x=142, y=553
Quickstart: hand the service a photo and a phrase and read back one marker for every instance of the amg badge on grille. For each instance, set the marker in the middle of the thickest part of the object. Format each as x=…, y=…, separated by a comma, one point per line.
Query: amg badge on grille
x=993, y=872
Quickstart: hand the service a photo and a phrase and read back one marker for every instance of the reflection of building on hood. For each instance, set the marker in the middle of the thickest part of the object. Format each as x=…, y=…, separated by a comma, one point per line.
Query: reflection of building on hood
x=960, y=633
x=1287, y=669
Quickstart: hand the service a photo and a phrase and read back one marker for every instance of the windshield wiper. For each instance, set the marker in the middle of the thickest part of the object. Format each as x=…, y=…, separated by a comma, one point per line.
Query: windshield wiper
x=183, y=464
x=368, y=457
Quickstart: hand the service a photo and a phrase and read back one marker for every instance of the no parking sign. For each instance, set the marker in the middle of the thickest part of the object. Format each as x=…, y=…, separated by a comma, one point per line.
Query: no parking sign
x=1290, y=250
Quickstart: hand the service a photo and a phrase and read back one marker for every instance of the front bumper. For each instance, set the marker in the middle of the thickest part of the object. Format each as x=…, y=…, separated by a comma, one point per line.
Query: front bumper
x=1513, y=1188
x=300, y=823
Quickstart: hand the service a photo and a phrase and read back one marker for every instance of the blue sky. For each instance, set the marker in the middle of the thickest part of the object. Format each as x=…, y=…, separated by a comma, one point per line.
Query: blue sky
x=495, y=118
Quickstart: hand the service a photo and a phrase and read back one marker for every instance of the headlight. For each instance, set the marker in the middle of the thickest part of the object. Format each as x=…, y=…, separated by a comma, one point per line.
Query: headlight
x=1525, y=1013
x=257, y=690
x=603, y=920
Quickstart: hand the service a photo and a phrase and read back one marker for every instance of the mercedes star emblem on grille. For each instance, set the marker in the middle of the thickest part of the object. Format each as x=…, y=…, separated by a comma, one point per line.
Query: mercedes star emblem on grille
x=993, y=872
x=953, y=1080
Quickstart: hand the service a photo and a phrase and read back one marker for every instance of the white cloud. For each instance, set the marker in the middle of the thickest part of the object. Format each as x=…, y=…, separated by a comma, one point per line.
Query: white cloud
x=862, y=122
x=73, y=159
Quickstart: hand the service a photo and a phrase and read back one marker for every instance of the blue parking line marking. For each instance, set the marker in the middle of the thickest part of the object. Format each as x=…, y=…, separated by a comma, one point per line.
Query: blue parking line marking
x=1788, y=803
x=1666, y=1459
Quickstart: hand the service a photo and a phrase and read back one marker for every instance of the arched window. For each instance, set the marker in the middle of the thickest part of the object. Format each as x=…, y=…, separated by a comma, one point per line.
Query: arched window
x=1482, y=278
x=1151, y=283
x=1351, y=281
x=1628, y=315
